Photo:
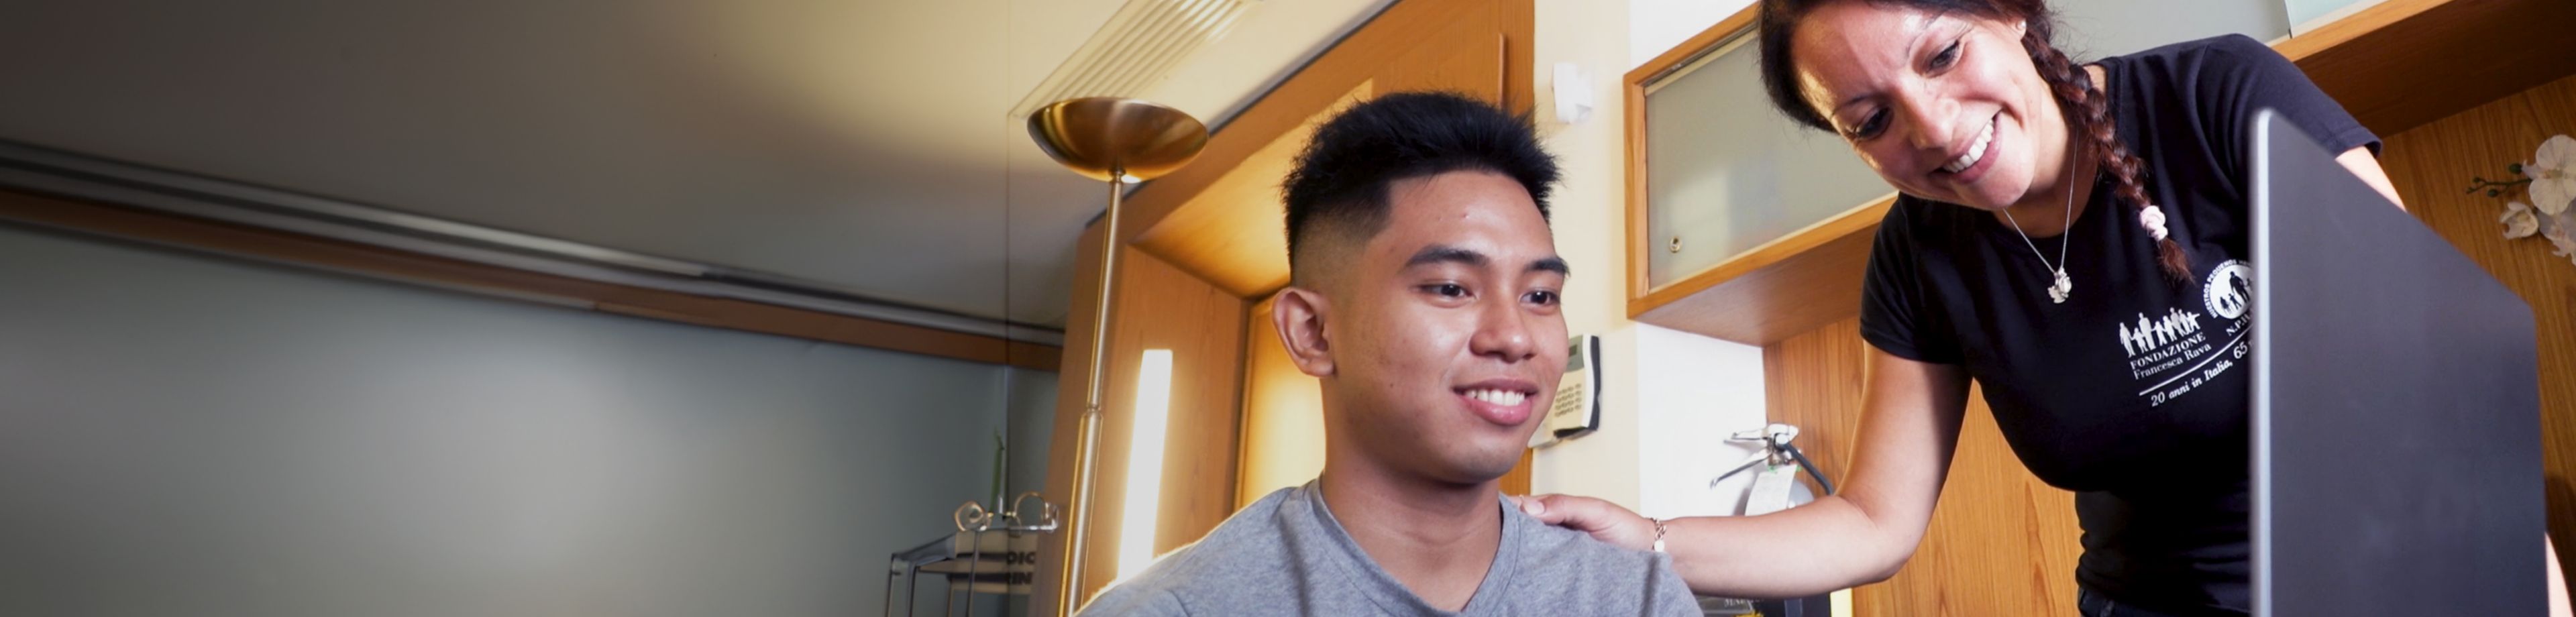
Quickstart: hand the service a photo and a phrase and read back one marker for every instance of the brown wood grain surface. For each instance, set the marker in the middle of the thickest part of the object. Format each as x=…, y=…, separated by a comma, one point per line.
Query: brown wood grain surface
x=2401, y=63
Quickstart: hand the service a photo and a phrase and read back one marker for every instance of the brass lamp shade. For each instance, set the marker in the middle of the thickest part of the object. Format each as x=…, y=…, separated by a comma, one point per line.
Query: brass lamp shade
x=1101, y=137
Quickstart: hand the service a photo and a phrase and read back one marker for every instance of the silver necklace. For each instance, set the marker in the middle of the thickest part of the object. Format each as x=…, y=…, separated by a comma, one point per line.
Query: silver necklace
x=2061, y=286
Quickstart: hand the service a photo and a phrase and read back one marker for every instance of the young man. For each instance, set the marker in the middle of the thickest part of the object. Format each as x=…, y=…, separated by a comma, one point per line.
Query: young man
x=1423, y=294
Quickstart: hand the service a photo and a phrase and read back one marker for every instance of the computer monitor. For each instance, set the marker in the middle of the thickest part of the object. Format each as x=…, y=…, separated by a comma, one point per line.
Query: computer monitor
x=2396, y=404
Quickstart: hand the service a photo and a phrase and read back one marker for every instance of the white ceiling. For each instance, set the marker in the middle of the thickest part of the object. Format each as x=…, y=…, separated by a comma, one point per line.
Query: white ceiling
x=860, y=143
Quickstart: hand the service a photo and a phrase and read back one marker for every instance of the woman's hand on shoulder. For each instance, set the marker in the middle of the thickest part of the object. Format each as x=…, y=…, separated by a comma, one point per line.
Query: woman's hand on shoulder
x=1605, y=521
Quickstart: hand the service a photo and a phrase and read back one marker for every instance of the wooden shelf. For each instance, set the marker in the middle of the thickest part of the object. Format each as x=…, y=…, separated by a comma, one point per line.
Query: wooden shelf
x=1793, y=285
x=2395, y=66
x=2404, y=63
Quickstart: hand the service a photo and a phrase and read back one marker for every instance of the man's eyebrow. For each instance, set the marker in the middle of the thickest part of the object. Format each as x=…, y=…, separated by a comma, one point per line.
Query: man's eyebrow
x=1442, y=253
x=1551, y=264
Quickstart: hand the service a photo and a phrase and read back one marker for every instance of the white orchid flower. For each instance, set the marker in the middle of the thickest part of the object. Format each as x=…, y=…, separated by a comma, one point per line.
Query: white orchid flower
x=2553, y=175
x=2519, y=221
x=2558, y=236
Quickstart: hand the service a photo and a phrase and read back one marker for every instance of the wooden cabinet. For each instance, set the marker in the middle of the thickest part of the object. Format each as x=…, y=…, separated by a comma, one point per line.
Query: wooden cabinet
x=1725, y=173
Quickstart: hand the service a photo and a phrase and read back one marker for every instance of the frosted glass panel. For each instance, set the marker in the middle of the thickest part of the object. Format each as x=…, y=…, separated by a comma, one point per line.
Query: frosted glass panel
x=2304, y=11
x=2091, y=29
x=1725, y=172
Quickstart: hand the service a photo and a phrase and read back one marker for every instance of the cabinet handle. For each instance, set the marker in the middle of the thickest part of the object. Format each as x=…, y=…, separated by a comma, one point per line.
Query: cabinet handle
x=1677, y=244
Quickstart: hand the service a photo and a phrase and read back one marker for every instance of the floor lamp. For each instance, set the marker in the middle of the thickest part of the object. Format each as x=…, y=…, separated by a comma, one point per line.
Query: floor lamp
x=1120, y=141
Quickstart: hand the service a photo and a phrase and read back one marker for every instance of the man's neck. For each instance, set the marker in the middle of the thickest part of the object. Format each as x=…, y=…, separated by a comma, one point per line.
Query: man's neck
x=1438, y=539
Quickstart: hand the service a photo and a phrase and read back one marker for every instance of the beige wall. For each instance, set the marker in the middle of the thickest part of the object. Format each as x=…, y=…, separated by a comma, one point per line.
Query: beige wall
x=1647, y=429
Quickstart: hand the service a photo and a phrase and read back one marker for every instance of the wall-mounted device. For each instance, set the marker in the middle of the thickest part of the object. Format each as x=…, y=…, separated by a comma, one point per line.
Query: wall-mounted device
x=1577, y=408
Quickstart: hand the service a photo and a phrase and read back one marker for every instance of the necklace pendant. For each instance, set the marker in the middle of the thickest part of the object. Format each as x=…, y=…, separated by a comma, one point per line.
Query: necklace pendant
x=2059, y=289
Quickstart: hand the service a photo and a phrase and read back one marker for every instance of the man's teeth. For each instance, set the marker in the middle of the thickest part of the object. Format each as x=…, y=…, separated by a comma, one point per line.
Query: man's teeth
x=1498, y=397
x=1976, y=150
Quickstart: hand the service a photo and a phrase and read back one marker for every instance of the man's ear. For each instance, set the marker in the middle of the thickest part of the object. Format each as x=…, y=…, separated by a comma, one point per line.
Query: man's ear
x=1298, y=315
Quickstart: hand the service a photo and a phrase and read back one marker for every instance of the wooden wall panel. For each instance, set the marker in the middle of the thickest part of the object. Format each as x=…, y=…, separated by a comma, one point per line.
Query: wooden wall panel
x=2431, y=165
x=1155, y=306
x=1283, y=414
x=1205, y=223
x=2001, y=542
x=1241, y=219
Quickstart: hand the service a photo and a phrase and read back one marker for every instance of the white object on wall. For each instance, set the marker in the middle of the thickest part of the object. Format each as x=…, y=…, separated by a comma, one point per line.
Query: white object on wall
x=1692, y=392
x=1576, y=411
x=1573, y=88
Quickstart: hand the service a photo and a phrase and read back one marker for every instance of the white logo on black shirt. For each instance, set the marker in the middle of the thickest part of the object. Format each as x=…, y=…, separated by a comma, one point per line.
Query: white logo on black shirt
x=2153, y=333
x=2229, y=289
x=2171, y=354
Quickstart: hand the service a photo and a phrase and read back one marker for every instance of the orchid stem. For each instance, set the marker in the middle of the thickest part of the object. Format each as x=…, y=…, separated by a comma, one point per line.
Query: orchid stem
x=2485, y=184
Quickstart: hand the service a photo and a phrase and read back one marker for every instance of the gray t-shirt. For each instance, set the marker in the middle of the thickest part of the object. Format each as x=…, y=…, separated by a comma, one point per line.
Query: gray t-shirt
x=1286, y=555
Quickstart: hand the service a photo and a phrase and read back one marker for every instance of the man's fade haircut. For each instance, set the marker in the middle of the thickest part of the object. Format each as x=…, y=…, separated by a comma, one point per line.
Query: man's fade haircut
x=1341, y=180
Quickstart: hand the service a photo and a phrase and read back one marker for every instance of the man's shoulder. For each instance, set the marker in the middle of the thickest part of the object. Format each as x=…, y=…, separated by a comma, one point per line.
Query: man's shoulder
x=1559, y=564
x=1550, y=544
x=1248, y=550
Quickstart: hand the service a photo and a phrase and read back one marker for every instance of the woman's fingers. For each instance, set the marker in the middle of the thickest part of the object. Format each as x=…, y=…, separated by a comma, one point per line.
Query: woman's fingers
x=1603, y=520
x=1536, y=507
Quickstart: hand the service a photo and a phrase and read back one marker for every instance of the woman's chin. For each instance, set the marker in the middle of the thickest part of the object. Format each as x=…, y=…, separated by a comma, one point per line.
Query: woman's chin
x=1977, y=202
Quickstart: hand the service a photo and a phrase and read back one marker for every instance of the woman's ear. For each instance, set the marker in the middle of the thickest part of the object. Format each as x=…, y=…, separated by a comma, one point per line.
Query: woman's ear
x=1298, y=314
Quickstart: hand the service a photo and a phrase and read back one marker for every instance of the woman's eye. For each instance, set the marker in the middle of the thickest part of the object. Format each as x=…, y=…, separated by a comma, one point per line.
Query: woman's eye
x=1871, y=126
x=1948, y=56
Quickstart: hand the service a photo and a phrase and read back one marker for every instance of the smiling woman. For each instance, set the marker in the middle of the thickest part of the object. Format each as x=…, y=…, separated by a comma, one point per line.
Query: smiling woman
x=1998, y=71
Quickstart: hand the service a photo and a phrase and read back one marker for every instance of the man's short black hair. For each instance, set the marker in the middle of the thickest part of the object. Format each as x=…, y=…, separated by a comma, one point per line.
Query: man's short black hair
x=1341, y=180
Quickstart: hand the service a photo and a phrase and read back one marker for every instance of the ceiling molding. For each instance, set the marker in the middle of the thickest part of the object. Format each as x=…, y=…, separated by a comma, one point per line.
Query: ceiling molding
x=339, y=256
x=62, y=173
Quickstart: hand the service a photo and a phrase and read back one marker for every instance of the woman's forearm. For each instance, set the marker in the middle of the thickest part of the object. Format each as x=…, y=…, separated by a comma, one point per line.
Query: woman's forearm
x=1811, y=549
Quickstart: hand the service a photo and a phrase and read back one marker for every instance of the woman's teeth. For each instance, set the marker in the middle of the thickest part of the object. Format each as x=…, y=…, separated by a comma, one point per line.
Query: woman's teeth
x=1976, y=150
x=1499, y=397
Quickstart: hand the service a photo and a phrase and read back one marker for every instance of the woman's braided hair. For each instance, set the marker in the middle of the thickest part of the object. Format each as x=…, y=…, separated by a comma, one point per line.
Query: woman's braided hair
x=2087, y=110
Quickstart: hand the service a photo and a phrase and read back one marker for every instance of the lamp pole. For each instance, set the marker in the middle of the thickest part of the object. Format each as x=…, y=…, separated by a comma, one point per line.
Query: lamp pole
x=1119, y=141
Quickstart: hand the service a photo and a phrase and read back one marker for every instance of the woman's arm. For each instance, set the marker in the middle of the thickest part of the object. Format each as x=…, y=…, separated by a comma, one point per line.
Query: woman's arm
x=2366, y=165
x=1909, y=428
x=2557, y=584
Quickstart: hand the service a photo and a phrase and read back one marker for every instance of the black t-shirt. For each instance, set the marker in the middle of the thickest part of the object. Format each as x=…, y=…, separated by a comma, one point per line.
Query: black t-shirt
x=2133, y=392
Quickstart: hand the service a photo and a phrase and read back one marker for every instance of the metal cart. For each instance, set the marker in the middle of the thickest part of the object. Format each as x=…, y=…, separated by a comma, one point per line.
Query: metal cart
x=990, y=553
